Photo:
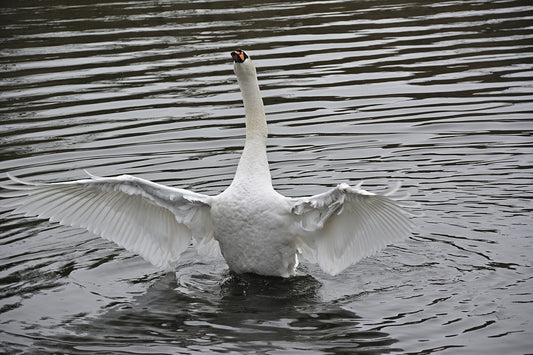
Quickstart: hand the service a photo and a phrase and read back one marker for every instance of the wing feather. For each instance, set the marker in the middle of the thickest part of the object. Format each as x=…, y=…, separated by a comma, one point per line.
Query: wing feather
x=345, y=224
x=152, y=220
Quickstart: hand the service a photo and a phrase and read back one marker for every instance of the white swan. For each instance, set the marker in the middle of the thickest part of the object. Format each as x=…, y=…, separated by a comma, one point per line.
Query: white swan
x=256, y=229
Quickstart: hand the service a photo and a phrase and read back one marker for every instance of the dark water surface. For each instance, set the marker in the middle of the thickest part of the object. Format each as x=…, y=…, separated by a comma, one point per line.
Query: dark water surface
x=436, y=94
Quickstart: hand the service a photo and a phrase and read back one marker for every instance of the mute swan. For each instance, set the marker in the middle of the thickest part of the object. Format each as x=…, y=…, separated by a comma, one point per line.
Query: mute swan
x=256, y=229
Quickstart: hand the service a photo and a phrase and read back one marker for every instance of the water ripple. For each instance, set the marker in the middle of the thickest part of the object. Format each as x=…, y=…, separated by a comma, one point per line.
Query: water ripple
x=435, y=94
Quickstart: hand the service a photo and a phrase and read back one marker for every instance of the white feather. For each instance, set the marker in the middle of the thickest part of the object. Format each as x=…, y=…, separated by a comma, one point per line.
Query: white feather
x=152, y=220
x=340, y=227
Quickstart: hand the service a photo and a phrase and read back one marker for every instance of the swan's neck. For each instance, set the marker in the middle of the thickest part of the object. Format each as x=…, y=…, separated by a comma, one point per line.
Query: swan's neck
x=256, y=126
x=253, y=166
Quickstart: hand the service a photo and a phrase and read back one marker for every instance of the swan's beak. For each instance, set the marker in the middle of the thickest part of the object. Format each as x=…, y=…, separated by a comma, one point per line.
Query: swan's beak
x=239, y=56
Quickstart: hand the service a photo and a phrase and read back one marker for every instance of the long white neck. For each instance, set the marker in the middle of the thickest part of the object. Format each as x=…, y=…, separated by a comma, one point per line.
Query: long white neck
x=253, y=165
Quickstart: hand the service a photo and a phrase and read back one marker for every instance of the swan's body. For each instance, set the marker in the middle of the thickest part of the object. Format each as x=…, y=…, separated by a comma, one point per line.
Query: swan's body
x=256, y=229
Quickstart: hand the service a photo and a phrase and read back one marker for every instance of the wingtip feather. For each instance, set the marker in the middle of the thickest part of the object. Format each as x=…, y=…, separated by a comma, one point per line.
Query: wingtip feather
x=19, y=181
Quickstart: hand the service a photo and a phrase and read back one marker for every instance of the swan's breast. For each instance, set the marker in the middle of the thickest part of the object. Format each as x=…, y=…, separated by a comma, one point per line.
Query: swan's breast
x=252, y=230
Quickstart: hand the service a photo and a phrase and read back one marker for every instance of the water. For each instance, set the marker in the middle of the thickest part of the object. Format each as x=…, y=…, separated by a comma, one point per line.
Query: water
x=436, y=94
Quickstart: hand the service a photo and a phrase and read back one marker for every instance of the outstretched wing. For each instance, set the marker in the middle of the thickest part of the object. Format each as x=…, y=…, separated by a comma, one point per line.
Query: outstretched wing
x=149, y=219
x=345, y=224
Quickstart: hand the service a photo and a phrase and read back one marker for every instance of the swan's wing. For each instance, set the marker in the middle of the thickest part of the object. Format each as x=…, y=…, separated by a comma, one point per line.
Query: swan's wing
x=345, y=224
x=149, y=219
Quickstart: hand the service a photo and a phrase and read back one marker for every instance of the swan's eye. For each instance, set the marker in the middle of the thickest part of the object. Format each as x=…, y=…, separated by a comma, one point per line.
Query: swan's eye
x=239, y=56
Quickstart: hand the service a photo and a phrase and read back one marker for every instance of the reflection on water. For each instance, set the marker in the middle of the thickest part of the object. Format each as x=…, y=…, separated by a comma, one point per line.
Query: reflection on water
x=272, y=314
x=436, y=94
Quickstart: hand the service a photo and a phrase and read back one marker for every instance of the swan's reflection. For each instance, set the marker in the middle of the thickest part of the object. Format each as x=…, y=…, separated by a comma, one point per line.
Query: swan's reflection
x=233, y=313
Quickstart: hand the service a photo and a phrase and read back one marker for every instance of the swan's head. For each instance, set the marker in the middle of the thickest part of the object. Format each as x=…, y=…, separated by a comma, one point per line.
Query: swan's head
x=239, y=56
x=243, y=65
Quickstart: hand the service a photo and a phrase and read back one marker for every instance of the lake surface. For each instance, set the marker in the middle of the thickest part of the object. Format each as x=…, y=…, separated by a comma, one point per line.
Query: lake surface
x=438, y=95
